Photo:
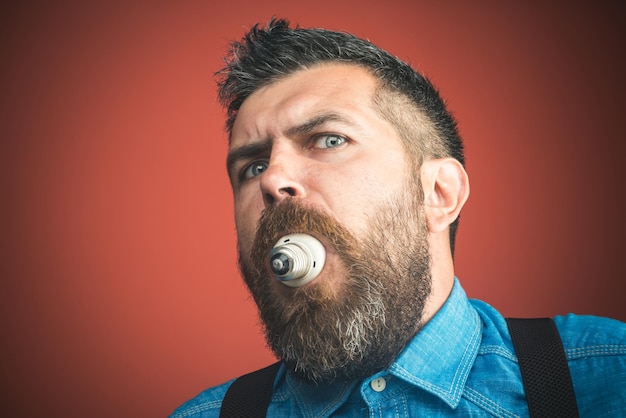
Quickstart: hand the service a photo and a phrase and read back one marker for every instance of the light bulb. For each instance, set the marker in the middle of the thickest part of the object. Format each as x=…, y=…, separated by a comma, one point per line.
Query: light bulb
x=296, y=259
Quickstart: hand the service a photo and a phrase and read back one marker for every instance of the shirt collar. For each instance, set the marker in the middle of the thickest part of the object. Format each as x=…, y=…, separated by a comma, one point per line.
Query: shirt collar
x=318, y=400
x=441, y=355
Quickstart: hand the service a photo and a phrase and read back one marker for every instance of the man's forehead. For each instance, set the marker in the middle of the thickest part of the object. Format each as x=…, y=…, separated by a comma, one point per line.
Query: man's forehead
x=333, y=88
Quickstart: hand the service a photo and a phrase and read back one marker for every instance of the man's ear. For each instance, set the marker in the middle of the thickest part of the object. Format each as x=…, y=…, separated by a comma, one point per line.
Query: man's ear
x=446, y=188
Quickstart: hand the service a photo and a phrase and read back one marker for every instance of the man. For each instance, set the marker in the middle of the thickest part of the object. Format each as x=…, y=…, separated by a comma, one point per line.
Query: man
x=333, y=138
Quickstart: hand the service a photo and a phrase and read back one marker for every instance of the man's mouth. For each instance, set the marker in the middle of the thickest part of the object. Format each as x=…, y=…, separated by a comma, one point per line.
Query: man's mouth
x=296, y=259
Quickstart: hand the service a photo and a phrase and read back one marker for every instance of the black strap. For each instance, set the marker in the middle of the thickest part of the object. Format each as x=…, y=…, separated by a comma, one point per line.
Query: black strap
x=250, y=395
x=545, y=373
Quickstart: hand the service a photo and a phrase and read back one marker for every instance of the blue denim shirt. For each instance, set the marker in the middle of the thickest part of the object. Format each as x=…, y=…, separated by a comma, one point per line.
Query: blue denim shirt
x=462, y=363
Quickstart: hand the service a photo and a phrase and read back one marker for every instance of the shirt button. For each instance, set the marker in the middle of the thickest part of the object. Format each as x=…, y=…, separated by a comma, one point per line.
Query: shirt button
x=379, y=384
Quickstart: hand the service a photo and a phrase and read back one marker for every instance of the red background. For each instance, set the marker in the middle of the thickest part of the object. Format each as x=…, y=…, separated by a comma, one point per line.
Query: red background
x=120, y=294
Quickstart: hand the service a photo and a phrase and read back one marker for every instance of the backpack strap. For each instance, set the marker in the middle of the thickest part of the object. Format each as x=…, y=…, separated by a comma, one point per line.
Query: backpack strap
x=250, y=395
x=543, y=365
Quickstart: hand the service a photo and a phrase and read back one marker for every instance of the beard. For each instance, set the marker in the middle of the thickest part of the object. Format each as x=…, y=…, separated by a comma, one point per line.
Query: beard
x=352, y=326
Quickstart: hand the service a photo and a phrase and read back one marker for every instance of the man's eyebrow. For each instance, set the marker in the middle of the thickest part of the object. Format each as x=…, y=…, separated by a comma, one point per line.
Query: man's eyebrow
x=246, y=152
x=314, y=123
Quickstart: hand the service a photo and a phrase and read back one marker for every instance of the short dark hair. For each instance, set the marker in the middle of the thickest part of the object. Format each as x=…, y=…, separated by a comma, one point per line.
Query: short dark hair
x=407, y=99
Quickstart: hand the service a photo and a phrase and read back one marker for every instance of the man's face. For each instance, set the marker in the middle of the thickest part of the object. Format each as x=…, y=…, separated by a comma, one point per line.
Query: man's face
x=316, y=136
x=310, y=153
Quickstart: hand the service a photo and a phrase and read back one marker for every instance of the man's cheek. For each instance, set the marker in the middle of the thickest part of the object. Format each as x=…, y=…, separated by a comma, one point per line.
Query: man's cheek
x=245, y=237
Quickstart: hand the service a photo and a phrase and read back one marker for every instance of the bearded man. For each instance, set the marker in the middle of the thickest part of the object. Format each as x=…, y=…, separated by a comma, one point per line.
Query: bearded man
x=333, y=138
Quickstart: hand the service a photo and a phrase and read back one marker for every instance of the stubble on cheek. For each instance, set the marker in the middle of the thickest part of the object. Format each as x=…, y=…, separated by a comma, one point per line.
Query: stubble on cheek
x=245, y=231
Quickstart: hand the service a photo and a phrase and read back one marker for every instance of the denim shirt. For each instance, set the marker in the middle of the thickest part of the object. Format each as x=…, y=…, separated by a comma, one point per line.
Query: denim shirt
x=462, y=363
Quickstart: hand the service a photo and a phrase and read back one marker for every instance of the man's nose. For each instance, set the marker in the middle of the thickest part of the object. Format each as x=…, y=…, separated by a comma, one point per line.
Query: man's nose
x=281, y=179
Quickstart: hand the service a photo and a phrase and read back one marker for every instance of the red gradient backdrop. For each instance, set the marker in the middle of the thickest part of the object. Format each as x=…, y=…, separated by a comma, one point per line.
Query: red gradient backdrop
x=120, y=294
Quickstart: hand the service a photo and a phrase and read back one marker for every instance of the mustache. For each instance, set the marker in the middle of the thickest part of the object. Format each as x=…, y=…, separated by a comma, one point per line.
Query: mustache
x=292, y=216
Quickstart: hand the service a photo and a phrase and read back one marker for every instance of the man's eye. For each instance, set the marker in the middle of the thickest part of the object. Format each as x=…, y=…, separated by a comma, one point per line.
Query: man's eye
x=329, y=141
x=254, y=169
